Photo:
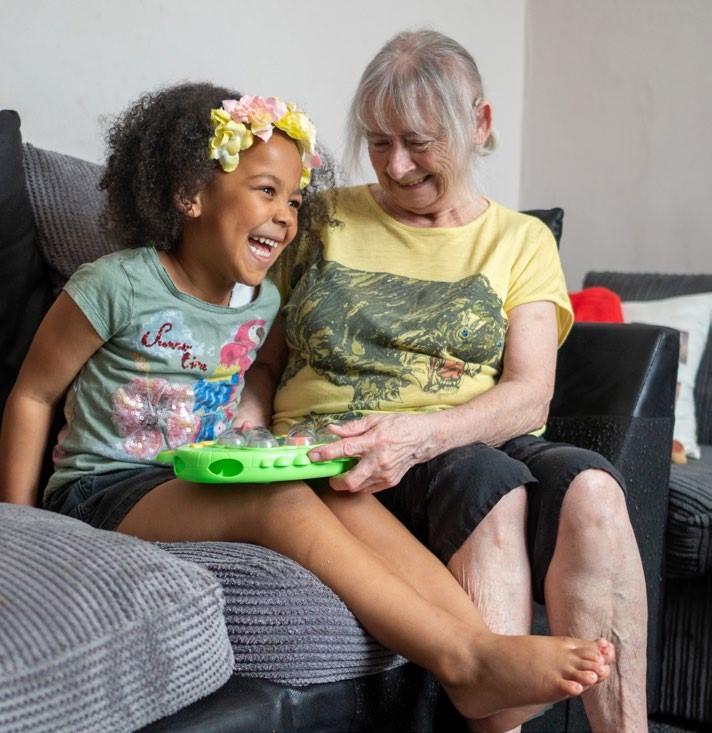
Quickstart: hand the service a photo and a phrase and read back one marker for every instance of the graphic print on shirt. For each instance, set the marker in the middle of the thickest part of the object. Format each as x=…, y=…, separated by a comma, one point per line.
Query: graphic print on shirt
x=153, y=413
x=378, y=333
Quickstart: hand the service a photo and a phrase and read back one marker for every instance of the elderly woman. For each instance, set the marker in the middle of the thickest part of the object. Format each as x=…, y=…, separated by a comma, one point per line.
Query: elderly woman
x=424, y=330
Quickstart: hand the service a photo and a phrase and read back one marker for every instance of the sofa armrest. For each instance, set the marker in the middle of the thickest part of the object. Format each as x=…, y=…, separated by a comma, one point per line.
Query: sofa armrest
x=615, y=394
x=617, y=370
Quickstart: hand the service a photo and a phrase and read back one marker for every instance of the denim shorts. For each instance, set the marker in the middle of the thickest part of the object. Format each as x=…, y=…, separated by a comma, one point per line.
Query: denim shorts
x=104, y=499
x=442, y=501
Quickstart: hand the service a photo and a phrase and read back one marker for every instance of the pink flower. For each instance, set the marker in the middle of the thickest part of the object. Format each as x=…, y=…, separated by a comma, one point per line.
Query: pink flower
x=152, y=414
x=261, y=114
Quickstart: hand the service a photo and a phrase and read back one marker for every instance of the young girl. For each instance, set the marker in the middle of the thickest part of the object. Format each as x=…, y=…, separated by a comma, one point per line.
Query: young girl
x=204, y=189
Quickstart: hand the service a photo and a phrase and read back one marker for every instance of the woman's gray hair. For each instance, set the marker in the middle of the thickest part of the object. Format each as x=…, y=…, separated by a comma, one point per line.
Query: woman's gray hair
x=417, y=78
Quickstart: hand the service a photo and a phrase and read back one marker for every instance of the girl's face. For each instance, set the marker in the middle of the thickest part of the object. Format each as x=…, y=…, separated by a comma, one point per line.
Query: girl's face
x=244, y=219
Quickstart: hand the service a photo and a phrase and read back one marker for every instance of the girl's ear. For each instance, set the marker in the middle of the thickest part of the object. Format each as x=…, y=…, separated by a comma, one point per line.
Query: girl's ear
x=483, y=120
x=190, y=207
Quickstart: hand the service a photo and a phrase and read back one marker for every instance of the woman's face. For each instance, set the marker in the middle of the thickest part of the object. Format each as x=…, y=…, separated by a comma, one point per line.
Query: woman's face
x=416, y=172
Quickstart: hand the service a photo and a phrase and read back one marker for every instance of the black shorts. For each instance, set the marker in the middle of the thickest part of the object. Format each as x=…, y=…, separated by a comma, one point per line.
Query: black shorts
x=104, y=499
x=442, y=501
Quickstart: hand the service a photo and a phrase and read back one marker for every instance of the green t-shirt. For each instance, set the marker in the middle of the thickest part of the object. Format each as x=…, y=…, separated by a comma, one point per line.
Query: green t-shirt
x=170, y=372
x=387, y=317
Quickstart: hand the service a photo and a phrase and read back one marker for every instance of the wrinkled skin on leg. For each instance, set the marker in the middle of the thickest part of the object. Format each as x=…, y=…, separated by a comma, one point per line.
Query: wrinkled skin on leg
x=594, y=587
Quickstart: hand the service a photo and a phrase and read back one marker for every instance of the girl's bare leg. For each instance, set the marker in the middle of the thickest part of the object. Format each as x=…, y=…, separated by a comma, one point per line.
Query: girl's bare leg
x=482, y=672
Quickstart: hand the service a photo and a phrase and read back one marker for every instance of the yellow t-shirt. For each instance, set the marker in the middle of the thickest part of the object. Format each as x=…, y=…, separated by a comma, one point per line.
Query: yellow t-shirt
x=386, y=317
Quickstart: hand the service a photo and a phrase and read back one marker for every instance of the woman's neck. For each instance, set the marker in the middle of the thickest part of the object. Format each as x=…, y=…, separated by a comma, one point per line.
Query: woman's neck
x=453, y=213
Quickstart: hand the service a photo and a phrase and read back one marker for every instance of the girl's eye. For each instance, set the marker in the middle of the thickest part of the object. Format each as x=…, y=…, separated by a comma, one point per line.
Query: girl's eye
x=296, y=203
x=268, y=190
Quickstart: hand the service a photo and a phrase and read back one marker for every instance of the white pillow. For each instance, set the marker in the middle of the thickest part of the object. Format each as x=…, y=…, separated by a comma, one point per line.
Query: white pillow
x=689, y=314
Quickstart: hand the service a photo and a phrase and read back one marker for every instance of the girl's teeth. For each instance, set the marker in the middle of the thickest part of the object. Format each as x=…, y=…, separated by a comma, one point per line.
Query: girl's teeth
x=264, y=240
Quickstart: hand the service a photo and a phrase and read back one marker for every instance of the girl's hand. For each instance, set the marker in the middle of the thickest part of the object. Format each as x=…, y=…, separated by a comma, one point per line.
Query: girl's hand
x=387, y=446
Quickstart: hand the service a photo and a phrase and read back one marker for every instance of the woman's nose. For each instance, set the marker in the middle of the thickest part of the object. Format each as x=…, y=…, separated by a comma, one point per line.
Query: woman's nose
x=399, y=161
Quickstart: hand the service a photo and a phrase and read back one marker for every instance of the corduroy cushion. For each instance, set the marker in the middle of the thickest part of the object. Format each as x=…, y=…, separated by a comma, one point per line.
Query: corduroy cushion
x=67, y=204
x=689, y=540
x=99, y=631
x=283, y=623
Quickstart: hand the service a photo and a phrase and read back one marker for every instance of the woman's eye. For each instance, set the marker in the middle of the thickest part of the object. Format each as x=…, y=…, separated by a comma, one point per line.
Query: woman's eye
x=379, y=144
x=419, y=145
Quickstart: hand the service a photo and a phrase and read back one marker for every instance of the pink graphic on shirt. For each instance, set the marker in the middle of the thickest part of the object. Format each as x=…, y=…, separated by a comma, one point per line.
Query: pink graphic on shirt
x=238, y=354
x=152, y=414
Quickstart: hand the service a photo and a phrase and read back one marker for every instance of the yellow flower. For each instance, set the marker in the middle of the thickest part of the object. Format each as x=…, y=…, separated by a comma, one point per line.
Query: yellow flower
x=298, y=126
x=229, y=139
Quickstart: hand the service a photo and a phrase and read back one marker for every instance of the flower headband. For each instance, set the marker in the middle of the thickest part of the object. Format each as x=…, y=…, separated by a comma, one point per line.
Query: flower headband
x=237, y=122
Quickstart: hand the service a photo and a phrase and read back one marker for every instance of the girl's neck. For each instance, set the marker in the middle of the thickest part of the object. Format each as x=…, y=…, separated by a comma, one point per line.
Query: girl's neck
x=189, y=278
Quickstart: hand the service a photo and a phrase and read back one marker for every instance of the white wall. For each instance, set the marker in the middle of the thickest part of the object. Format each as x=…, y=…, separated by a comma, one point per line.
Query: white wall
x=64, y=64
x=618, y=130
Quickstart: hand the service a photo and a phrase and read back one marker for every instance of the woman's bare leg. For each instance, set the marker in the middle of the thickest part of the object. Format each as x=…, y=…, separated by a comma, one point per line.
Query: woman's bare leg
x=595, y=585
x=482, y=672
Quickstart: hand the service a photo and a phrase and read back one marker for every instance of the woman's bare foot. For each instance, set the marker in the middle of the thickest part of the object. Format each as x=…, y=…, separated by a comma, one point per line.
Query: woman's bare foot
x=523, y=674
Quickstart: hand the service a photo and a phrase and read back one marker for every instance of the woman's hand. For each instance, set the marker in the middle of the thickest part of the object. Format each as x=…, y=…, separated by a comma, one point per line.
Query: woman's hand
x=387, y=445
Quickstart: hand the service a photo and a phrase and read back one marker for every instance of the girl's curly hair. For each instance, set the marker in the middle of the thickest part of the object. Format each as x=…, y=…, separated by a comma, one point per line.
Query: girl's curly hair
x=158, y=154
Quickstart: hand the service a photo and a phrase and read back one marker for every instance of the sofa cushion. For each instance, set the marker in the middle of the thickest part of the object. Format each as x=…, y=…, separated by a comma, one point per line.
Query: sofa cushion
x=25, y=294
x=284, y=624
x=691, y=315
x=67, y=205
x=99, y=631
x=689, y=544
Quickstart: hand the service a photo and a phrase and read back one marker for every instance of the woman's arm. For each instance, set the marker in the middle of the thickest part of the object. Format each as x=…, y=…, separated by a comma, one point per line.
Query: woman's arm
x=389, y=444
x=262, y=378
x=63, y=343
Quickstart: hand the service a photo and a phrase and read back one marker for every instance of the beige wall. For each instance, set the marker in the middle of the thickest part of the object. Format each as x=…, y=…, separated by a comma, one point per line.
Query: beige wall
x=603, y=106
x=618, y=131
x=64, y=64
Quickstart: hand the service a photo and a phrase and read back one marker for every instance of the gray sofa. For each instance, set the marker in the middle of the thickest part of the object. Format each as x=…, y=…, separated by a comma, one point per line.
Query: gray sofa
x=686, y=684
x=286, y=654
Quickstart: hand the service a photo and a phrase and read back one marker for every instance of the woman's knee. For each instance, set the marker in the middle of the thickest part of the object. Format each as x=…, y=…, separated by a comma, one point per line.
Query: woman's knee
x=595, y=501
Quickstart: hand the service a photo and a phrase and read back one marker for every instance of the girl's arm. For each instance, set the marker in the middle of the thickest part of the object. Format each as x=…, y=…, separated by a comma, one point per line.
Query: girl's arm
x=262, y=379
x=389, y=444
x=62, y=344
